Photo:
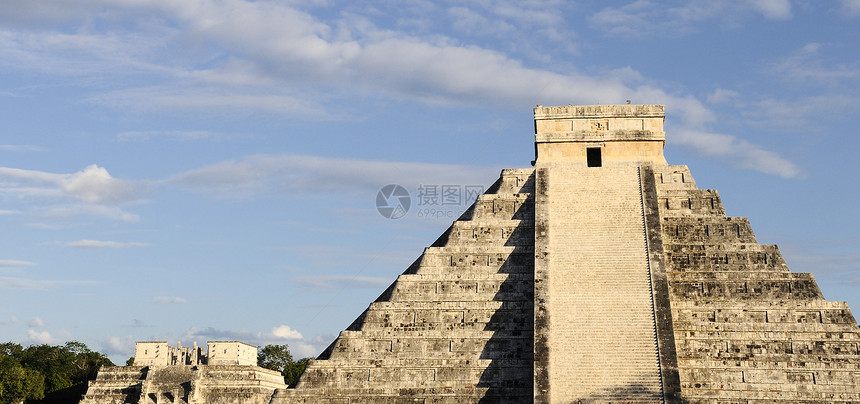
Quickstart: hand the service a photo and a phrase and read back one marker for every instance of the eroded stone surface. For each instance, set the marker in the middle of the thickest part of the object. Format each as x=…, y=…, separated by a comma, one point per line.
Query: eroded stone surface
x=225, y=374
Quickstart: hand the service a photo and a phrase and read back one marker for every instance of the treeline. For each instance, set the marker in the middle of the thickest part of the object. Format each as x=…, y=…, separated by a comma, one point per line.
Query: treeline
x=279, y=358
x=47, y=373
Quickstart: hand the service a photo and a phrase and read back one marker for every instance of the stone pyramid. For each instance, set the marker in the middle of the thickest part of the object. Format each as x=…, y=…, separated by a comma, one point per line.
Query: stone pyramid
x=602, y=274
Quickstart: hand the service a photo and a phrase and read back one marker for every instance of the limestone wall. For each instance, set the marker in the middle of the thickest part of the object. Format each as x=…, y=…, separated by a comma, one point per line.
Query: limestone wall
x=203, y=384
x=152, y=353
x=747, y=330
x=231, y=353
x=621, y=133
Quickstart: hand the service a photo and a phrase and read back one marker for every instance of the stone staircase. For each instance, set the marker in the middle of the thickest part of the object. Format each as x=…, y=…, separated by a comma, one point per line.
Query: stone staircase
x=746, y=329
x=116, y=385
x=455, y=327
x=602, y=332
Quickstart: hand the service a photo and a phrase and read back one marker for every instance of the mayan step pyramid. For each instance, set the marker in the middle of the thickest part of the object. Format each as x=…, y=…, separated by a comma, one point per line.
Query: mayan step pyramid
x=602, y=274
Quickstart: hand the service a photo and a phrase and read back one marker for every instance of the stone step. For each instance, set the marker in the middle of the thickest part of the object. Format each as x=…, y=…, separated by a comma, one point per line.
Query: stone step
x=518, y=180
x=673, y=178
x=507, y=233
x=503, y=207
x=602, y=331
x=706, y=230
x=690, y=203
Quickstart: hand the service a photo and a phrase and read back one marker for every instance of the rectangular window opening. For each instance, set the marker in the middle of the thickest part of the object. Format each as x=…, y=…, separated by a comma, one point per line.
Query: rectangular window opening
x=592, y=154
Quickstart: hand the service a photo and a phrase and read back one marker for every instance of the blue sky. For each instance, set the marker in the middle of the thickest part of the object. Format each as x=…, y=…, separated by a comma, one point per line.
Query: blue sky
x=208, y=169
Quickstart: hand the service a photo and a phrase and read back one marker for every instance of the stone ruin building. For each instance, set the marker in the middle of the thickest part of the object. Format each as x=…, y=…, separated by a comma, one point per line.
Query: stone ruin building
x=603, y=274
x=226, y=373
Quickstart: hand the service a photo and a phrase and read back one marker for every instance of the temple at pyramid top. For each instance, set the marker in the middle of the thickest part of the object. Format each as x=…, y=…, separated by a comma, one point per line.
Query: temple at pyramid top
x=600, y=135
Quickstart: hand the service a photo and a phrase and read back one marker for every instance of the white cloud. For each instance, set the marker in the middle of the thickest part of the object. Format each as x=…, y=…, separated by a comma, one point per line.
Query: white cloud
x=9, y=212
x=738, y=152
x=15, y=264
x=115, y=345
x=773, y=9
x=722, y=96
x=35, y=322
x=284, y=331
x=93, y=185
x=281, y=59
x=103, y=244
x=313, y=174
x=43, y=337
x=168, y=300
x=290, y=52
x=89, y=192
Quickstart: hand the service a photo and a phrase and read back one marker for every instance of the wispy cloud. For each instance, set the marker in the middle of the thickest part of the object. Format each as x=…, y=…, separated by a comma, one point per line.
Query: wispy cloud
x=116, y=345
x=21, y=148
x=104, y=244
x=15, y=264
x=809, y=65
x=799, y=114
x=286, y=61
x=299, y=54
x=342, y=281
x=737, y=152
x=61, y=212
x=313, y=174
x=41, y=337
x=183, y=135
x=93, y=184
x=38, y=284
x=168, y=300
x=300, y=346
x=662, y=19
x=235, y=101
x=89, y=192
x=852, y=7
x=35, y=322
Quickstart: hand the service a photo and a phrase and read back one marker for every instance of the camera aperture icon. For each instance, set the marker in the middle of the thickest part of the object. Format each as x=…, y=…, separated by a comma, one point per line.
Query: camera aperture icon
x=393, y=201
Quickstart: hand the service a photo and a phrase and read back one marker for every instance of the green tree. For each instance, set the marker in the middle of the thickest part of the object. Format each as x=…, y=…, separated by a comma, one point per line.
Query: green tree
x=11, y=350
x=45, y=371
x=18, y=383
x=274, y=357
x=63, y=366
x=54, y=362
x=130, y=361
x=294, y=370
x=279, y=358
